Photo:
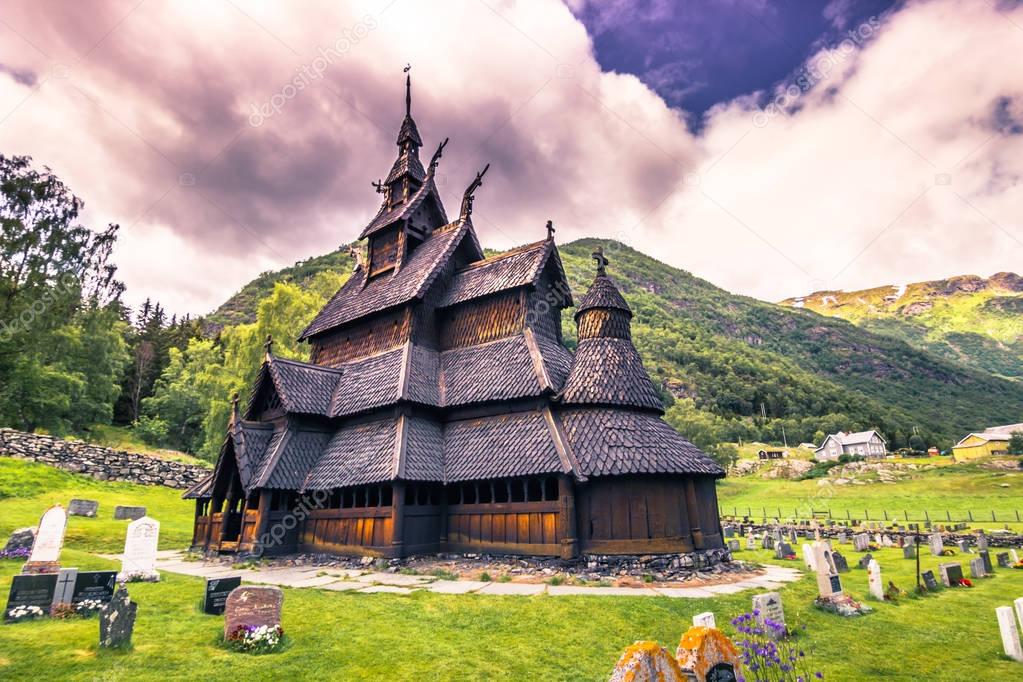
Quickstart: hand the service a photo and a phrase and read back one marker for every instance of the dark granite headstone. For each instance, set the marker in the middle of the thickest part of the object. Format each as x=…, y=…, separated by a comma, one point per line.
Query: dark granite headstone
x=964, y=546
x=129, y=513
x=217, y=591
x=98, y=585
x=841, y=565
x=1003, y=560
x=930, y=582
x=117, y=620
x=23, y=538
x=951, y=574
x=986, y=556
x=31, y=590
x=252, y=606
x=83, y=508
x=864, y=560
x=722, y=672
x=782, y=550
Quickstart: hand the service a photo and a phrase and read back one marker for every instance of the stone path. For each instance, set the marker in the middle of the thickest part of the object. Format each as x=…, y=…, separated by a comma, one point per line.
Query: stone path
x=367, y=582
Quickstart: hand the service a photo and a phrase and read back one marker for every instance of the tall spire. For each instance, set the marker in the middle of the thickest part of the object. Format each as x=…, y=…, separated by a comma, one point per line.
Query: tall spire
x=408, y=93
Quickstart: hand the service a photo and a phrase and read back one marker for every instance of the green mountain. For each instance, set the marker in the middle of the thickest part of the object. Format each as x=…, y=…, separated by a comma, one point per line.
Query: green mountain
x=733, y=367
x=970, y=320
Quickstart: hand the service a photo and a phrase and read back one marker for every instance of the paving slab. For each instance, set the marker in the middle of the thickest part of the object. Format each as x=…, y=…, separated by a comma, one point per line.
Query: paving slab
x=343, y=586
x=582, y=590
x=400, y=579
x=729, y=588
x=456, y=586
x=393, y=589
x=684, y=592
x=513, y=588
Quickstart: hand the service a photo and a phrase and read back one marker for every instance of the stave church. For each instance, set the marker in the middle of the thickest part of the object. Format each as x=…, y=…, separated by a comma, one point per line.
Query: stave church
x=440, y=410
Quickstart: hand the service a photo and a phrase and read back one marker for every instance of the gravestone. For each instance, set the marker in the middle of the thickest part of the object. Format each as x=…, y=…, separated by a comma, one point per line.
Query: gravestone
x=828, y=582
x=977, y=568
x=31, y=590
x=930, y=582
x=707, y=654
x=865, y=560
x=767, y=542
x=83, y=508
x=909, y=551
x=705, y=619
x=22, y=538
x=1010, y=634
x=1019, y=610
x=936, y=544
x=1014, y=556
x=117, y=620
x=646, y=662
x=139, y=560
x=782, y=550
x=793, y=537
x=808, y=557
x=65, y=586
x=45, y=556
x=985, y=555
x=252, y=606
x=729, y=531
x=1003, y=560
x=128, y=513
x=964, y=546
x=751, y=542
x=768, y=606
x=842, y=538
x=874, y=583
x=95, y=586
x=733, y=545
x=217, y=590
x=840, y=563
x=886, y=541
x=982, y=541
x=861, y=542
x=951, y=574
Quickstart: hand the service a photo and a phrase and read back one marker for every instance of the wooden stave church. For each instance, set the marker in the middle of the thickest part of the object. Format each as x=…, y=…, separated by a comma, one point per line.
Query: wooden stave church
x=441, y=412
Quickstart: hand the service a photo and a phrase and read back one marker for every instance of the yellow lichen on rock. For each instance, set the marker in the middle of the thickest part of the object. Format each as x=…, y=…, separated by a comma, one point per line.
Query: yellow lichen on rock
x=647, y=662
x=701, y=648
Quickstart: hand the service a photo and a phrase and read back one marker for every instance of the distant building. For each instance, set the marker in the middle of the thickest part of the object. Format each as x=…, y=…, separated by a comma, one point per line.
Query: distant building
x=808, y=446
x=989, y=442
x=862, y=443
x=772, y=454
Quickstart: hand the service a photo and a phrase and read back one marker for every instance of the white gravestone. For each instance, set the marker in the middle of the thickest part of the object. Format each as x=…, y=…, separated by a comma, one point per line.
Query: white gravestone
x=705, y=619
x=65, y=589
x=1010, y=633
x=874, y=581
x=808, y=557
x=1015, y=557
x=139, y=561
x=828, y=582
x=45, y=555
x=768, y=605
x=936, y=544
x=1019, y=610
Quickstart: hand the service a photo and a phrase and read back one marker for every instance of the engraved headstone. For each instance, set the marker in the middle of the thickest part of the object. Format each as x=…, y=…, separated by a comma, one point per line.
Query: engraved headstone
x=865, y=560
x=861, y=542
x=768, y=606
x=842, y=538
x=1010, y=634
x=31, y=590
x=977, y=568
x=751, y=542
x=936, y=544
x=982, y=541
x=951, y=574
x=782, y=550
x=808, y=557
x=964, y=546
x=729, y=531
x=985, y=556
x=909, y=551
x=874, y=582
x=733, y=545
x=45, y=556
x=252, y=606
x=65, y=586
x=930, y=582
x=1014, y=556
x=83, y=508
x=94, y=586
x=828, y=582
x=21, y=539
x=840, y=562
x=767, y=542
x=217, y=590
x=139, y=560
x=122, y=513
x=706, y=619
x=117, y=620
x=1003, y=560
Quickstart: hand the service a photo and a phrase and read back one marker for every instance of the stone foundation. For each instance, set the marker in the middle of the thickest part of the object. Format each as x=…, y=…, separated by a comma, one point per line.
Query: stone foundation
x=98, y=462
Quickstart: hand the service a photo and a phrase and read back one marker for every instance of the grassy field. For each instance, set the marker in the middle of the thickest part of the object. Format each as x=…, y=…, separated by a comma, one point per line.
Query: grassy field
x=947, y=636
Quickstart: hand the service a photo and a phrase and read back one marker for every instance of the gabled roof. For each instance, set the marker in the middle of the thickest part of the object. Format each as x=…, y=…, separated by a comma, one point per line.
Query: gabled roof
x=614, y=442
x=512, y=269
x=609, y=371
x=388, y=215
x=995, y=433
x=858, y=438
x=201, y=490
x=356, y=298
x=302, y=388
x=603, y=294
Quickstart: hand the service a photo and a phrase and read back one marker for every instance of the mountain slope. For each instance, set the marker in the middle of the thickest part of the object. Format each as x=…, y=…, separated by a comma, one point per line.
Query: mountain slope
x=968, y=319
x=736, y=367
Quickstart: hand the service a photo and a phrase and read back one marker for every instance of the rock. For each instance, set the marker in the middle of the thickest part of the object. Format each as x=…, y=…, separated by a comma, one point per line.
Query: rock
x=252, y=606
x=23, y=538
x=117, y=620
x=647, y=662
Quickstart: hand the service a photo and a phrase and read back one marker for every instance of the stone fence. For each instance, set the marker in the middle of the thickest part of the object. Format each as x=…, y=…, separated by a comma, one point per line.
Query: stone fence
x=101, y=463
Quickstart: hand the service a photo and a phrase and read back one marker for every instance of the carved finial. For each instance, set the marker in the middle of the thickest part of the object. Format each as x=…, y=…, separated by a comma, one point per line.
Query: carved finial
x=408, y=90
x=234, y=408
x=269, y=344
x=379, y=186
x=468, y=196
x=436, y=156
x=550, y=230
x=602, y=261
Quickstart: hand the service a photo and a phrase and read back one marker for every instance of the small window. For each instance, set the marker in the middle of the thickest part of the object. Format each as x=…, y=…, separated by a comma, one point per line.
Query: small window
x=454, y=493
x=423, y=495
x=373, y=494
x=410, y=495
x=386, y=496
x=550, y=489
x=486, y=492
x=468, y=493
x=534, y=490
x=349, y=498
x=518, y=491
x=501, y=492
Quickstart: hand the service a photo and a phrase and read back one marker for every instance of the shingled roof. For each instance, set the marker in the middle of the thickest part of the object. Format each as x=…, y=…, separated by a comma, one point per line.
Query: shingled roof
x=512, y=269
x=390, y=214
x=357, y=454
x=357, y=299
x=609, y=371
x=609, y=442
x=302, y=388
x=602, y=294
x=517, y=444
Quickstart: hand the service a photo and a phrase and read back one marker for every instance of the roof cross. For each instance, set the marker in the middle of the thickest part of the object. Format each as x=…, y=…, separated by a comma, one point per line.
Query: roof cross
x=379, y=186
x=550, y=229
x=602, y=261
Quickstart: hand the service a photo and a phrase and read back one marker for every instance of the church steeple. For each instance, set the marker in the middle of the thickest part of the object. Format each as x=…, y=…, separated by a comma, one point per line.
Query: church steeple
x=407, y=173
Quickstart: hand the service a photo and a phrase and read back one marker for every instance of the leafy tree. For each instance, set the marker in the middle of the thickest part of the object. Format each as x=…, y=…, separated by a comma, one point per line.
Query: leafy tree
x=1016, y=443
x=917, y=443
x=725, y=454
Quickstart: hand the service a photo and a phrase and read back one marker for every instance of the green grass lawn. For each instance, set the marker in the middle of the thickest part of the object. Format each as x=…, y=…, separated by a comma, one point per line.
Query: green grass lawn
x=948, y=636
x=956, y=489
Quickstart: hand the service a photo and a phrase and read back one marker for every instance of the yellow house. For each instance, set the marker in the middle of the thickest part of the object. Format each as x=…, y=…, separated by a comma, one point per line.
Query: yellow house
x=992, y=441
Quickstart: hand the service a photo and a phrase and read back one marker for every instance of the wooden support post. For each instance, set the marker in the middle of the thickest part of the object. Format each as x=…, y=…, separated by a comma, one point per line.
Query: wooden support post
x=566, y=519
x=693, y=511
x=262, y=522
x=397, y=519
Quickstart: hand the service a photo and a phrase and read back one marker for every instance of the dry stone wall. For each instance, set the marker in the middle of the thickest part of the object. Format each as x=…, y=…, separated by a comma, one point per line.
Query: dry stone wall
x=101, y=463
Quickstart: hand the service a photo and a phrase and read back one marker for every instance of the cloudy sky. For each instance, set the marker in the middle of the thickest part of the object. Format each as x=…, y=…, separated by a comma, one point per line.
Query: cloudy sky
x=773, y=148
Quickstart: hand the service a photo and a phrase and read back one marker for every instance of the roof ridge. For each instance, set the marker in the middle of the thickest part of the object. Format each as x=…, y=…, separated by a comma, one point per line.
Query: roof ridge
x=301, y=363
x=516, y=251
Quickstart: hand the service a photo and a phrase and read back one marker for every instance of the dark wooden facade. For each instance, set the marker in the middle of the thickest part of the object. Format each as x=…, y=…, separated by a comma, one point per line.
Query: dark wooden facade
x=440, y=410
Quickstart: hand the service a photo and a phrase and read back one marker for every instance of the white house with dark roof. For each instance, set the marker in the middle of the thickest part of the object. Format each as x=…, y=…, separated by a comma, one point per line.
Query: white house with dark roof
x=861, y=443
